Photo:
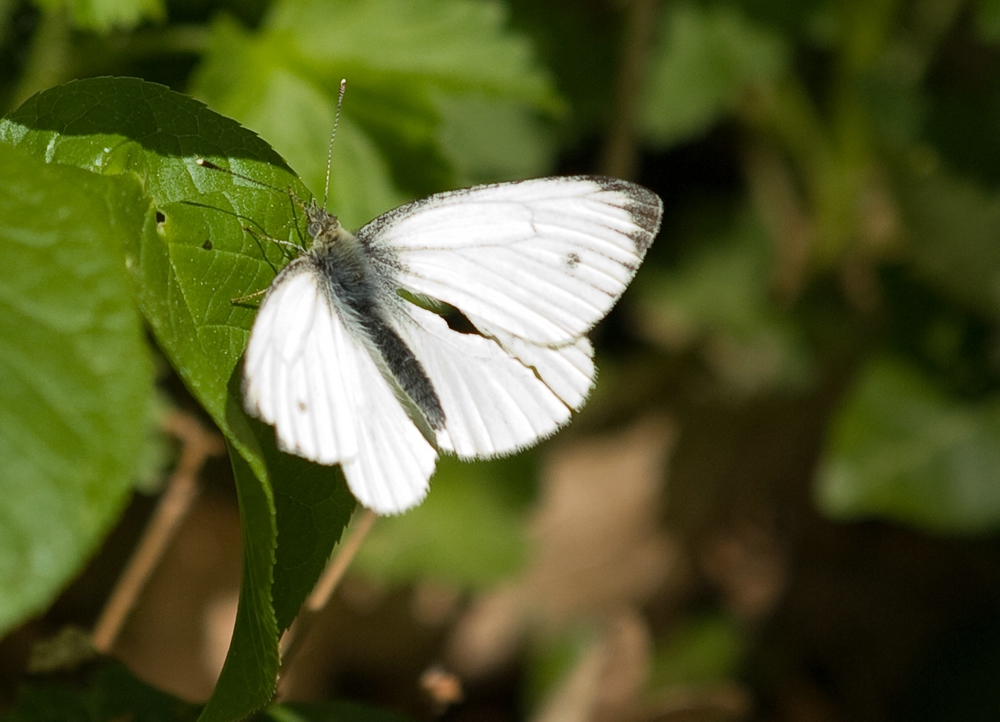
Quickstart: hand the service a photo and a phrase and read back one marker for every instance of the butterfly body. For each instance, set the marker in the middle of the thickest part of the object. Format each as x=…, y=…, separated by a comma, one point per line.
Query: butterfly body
x=350, y=283
x=350, y=372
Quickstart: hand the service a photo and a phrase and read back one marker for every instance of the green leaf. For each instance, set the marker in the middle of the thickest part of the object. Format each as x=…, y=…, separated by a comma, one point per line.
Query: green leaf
x=987, y=17
x=954, y=225
x=75, y=373
x=708, y=56
x=405, y=62
x=243, y=77
x=470, y=532
x=488, y=141
x=454, y=44
x=105, y=690
x=312, y=514
x=900, y=449
x=701, y=650
x=191, y=259
x=249, y=675
x=105, y=15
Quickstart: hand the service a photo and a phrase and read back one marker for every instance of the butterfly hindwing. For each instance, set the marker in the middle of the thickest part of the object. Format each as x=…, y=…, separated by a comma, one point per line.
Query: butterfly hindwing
x=568, y=370
x=310, y=376
x=493, y=402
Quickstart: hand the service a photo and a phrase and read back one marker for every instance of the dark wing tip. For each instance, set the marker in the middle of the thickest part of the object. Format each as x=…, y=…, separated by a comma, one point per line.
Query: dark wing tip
x=645, y=207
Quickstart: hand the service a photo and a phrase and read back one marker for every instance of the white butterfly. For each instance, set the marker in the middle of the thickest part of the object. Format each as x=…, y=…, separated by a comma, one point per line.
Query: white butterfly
x=350, y=372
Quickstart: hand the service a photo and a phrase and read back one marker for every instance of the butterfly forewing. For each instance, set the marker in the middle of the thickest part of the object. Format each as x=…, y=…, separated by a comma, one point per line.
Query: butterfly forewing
x=541, y=260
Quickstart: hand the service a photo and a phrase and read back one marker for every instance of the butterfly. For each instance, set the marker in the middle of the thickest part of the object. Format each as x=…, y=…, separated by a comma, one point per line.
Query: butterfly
x=352, y=361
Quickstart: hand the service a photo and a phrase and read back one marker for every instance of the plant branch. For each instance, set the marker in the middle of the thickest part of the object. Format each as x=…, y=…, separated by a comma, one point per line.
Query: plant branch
x=291, y=643
x=198, y=444
x=621, y=155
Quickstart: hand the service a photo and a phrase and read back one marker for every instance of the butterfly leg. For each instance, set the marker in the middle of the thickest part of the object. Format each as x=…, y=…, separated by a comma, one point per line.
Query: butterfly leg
x=261, y=235
x=241, y=300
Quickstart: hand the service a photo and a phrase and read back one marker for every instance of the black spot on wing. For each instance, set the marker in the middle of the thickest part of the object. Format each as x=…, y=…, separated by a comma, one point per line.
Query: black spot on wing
x=572, y=260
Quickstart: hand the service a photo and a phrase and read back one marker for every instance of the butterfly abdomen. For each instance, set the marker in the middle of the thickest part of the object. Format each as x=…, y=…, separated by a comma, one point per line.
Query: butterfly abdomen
x=406, y=369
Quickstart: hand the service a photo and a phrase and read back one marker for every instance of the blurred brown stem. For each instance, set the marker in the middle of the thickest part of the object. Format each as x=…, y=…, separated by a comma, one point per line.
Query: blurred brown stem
x=774, y=192
x=291, y=643
x=181, y=490
x=621, y=155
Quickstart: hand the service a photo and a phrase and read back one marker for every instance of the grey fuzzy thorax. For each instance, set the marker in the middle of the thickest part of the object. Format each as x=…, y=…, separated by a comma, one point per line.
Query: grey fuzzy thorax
x=347, y=278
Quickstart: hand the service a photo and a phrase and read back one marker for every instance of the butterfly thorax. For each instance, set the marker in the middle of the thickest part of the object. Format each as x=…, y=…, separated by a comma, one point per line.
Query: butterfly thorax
x=324, y=228
x=342, y=263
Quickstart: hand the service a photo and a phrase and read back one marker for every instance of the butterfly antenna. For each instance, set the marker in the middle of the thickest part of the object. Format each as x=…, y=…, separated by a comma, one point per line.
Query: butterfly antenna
x=212, y=166
x=333, y=136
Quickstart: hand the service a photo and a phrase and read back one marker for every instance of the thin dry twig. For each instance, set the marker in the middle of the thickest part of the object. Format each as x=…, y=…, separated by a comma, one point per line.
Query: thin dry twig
x=291, y=643
x=334, y=572
x=197, y=445
x=621, y=154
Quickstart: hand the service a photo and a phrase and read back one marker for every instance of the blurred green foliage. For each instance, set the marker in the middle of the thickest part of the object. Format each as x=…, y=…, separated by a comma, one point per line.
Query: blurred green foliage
x=704, y=649
x=470, y=534
x=830, y=171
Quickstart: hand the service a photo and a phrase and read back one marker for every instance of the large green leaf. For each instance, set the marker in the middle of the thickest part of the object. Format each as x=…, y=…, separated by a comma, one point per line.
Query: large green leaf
x=191, y=259
x=103, y=690
x=75, y=373
x=489, y=140
x=248, y=676
x=901, y=449
x=312, y=513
